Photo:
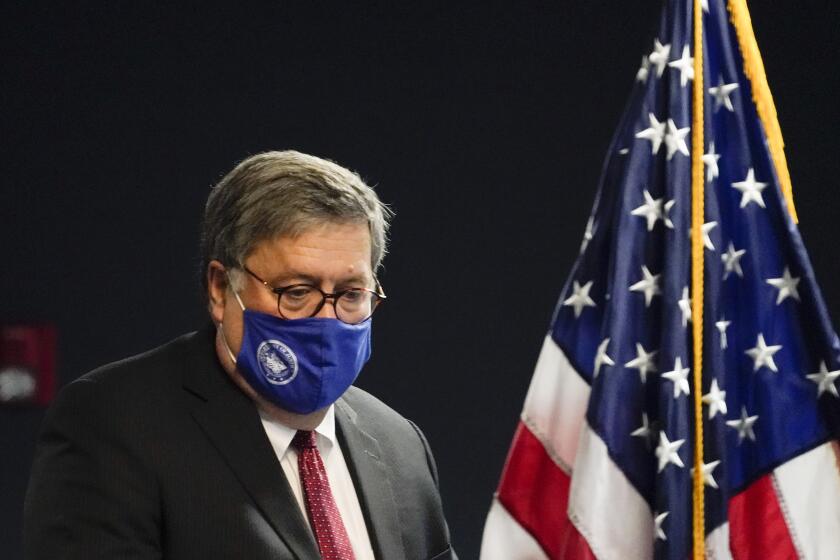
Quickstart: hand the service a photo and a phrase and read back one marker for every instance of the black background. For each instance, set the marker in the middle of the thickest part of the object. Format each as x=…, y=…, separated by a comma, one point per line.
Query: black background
x=483, y=125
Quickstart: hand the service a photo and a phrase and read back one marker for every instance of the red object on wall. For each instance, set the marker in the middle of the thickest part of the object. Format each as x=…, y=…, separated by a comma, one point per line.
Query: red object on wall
x=27, y=364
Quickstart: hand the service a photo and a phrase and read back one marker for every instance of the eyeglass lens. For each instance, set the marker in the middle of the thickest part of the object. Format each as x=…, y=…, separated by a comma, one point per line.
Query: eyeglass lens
x=353, y=306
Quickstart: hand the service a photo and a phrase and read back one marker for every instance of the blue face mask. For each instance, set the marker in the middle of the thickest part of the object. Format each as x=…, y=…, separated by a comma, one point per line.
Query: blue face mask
x=300, y=365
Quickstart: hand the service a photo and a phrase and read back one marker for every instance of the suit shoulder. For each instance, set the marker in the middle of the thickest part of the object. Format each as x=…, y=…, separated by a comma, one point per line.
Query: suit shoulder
x=137, y=394
x=147, y=368
x=145, y=380
x=377, y=417
x=370, y=406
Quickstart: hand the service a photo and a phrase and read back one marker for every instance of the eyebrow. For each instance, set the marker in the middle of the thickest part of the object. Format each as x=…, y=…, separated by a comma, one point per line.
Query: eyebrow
x=282, y=279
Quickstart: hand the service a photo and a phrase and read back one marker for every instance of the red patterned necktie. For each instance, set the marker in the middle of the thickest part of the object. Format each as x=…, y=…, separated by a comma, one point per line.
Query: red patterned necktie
x=320, y=505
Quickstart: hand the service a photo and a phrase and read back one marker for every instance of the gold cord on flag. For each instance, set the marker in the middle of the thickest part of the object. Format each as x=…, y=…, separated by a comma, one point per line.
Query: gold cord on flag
x=739, y=15
x=697, y=249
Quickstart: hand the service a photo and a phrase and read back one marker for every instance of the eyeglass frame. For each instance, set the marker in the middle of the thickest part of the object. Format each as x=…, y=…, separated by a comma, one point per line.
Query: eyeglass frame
x=324, y=296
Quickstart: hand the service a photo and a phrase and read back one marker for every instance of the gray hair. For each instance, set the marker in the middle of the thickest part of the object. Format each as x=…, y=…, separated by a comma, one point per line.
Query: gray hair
x=284, y=193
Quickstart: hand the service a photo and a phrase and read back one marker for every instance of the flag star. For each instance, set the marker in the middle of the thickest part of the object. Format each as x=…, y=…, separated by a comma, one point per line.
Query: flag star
x=591, y=229
x=705, y=5
x=762, y=354
x=675, y=139
x=643, y=362
x=644, y=70
x=710, y=159
x=655, y=133
x=667, y=214
x=666, y=451
x=732, y=261
x=708, y=477
x=685, y=64
x=786, y=286
x=659, y=56
x=649, y=285
x=744, y=425
x=679, y=375
x=721, y=94
x=750, y=189
x=722, y=325
x=825, y=380
x=601, y=357
x=685, y=307
x=644, y=431
x=706, y=229
x=716, y=399
x=624, y=151
x=658, y=533
x=651, y=210
x=580, y=298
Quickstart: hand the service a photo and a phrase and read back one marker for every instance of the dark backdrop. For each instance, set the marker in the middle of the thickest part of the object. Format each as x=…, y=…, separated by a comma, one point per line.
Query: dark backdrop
x=483, y=125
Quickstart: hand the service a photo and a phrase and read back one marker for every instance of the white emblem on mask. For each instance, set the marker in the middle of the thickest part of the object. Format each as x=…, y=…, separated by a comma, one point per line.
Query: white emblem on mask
x=277, y=362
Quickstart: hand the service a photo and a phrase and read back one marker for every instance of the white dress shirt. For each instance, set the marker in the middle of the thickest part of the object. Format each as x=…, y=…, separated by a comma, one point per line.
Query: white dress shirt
x=343, y=491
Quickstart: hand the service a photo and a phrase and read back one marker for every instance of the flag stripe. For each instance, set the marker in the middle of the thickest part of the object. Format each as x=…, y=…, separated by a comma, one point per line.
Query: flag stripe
x=539, y=508
x=757, y=526
x=504, y=538
x=606, y=509
x=556, y=404
x=717, y=544
x=808, y=487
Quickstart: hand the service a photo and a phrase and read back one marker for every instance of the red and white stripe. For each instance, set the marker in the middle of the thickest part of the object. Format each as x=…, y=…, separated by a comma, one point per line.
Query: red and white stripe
x=542, y=510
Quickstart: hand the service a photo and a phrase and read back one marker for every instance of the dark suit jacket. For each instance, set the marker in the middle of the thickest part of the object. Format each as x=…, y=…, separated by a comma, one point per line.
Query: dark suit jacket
x=162, y=456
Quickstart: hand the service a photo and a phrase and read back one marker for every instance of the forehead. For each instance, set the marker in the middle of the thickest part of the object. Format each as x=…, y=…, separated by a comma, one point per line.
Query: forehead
x=326, y=250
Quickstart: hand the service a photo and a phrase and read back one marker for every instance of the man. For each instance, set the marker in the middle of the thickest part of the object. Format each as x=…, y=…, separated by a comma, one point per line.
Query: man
x=246, y=439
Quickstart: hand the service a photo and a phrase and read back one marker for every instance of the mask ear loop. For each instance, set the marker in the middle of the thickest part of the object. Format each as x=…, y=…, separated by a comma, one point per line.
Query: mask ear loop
x=220, y=327
x=235, y=293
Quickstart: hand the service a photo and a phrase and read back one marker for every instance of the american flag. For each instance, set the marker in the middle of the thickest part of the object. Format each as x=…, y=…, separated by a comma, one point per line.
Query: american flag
x=601, y=462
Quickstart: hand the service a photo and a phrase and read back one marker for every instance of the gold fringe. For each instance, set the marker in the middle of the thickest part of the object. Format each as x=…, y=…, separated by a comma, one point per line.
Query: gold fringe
x=739, y=15
x=698, y=200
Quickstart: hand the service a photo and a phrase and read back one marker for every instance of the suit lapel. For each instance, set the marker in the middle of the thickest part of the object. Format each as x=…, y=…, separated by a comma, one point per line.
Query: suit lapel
x=231, y=422
x=373, y=486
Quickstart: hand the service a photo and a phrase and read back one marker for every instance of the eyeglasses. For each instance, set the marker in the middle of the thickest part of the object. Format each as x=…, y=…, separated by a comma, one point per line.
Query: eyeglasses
x=299, y=301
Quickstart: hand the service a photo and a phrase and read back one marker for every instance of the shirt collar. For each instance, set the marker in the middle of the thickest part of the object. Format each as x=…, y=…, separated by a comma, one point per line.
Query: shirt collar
x=281, y=435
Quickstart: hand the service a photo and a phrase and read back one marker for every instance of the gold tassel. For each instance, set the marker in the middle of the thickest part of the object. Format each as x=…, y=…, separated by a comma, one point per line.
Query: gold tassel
x=739, y=15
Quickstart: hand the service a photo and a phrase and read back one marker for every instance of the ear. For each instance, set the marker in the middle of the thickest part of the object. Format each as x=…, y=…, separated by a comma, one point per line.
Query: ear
x=217, y=285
